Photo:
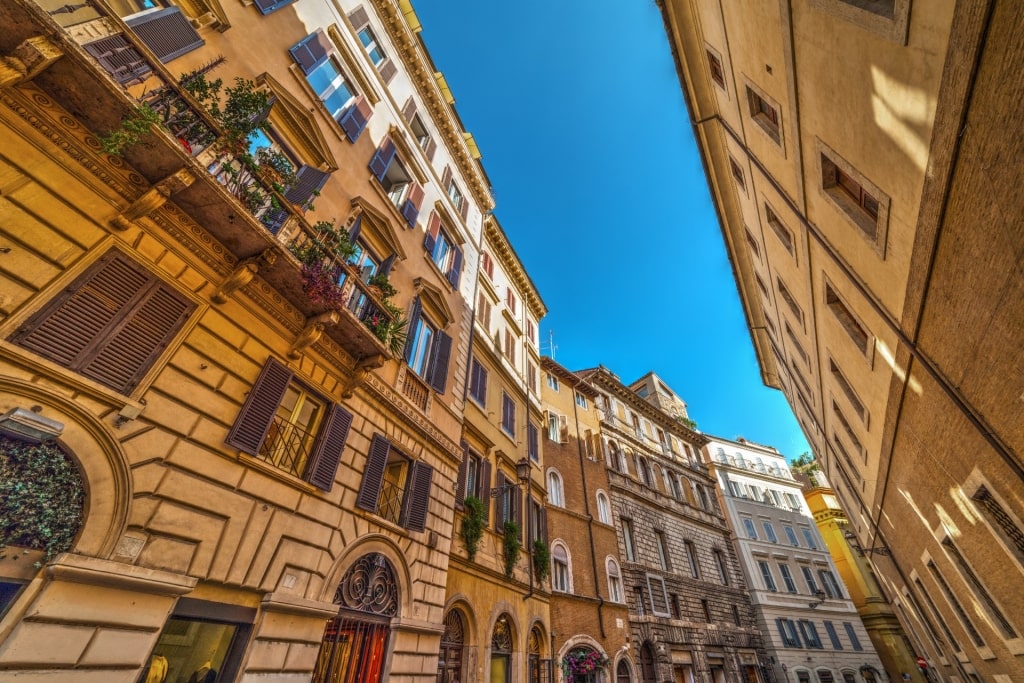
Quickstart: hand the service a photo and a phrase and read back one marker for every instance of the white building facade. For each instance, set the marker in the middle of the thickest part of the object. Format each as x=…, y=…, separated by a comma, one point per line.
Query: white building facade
x=811, y=628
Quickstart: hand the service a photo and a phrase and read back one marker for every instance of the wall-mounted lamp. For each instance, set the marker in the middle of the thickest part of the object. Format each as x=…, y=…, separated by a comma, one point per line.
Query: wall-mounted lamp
x=819, y=597
x=29, y=425
x=522, y=474
x=851, y=538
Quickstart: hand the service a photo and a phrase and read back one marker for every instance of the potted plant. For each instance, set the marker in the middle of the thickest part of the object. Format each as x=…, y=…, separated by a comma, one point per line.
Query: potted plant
x=582, y=662
x=472, y=529
x=381, y=286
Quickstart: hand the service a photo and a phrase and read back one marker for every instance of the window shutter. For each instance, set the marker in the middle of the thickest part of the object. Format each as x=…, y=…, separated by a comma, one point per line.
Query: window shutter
x=433, y=230
x=414, y=319
x=387, y=265
x=167, y=32
x=382, y=159
x=323, y=464
x=409, y=109
x=119, y=58
x=311, y=51
x=268, y=6
x=308, y=181
x=782, y=632
x=354, y=119
x=464, y=208
x=373, y=474
x=531, y=441
x=356, y=229
x=439, y=364
x=411, y=208
x=446, y=178
x=130, y=348
x=499, y=502
x=416, y=502
x=388, y=70
x=484, y=489
x=544, y=524
x=430, y=149
x=359, y=18
x=254, y=419
x=563, y=429
x=517, y=507
x=456, y=270
x=460, y=481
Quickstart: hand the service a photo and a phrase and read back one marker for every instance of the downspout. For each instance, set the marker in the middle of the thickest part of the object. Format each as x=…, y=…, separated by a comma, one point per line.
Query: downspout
x=590, y=518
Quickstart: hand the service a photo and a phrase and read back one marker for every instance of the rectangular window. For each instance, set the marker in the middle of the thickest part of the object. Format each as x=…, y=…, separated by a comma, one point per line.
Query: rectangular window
x=748, y=526
x=427, y=349
x=829, y=583
x=764, y=113
x=754, y=246
x=737, y=173
x=478, y=382
x=790, y=301
x=715, y=67
x=659, y=596
x=394, y=487
x=810, y=634
x=510, y=300
x=487, y=265
x=766, y=576
x=796, y=346
x=443, y=250
x=558, y=428
x=954, y=602
x=780, y=230
x=552, y=382
x=627, y=539
x=508, y=414
x=483, y=311
x=510, y=346
x=851, y=633
x=857, y=333
x=110, y=325
x=212, y=633
x=761, y=285
x=812, y=585
x=769, y=532
x=677, y=613
x=531, y=377
x=286, y=424
x=691, y=559
x=851, y=395
x=472, y=465
x=422, y=136
x=659, y=542
x=581, y=400
x=316, y=56
x=794, y=503
x=841, y=419
x=787, y=578
x=848, y=191
x=787, y=630
x=723, y=568
x=531, y=331
x=641, y=601
x=1002, y=523
x=833, y=636
x=532, y=445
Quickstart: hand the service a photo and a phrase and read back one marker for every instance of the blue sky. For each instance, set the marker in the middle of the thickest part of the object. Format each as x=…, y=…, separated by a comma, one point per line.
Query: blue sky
x=579, y=115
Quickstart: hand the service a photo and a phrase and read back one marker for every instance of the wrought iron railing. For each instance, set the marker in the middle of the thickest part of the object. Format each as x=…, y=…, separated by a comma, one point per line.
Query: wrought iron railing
x=287, y=446
x=389, y=505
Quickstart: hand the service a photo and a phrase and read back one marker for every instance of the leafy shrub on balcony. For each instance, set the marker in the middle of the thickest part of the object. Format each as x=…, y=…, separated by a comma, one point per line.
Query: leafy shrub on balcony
x=42, y=497
x=472, y=529
x=541, y=560
x=511, y=545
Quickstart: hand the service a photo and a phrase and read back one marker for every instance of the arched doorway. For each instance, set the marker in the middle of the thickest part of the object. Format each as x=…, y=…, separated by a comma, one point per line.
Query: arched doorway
x=355, y=641
x=648, y=669
x=501, y=651
x=622, y=673
x=540, y=668
x=584, y=664
x=453, y=645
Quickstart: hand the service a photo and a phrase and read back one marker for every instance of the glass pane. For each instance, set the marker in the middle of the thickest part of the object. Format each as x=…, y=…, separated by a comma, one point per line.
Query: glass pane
x=323, y=76
x=189, y=650
x=421, y=348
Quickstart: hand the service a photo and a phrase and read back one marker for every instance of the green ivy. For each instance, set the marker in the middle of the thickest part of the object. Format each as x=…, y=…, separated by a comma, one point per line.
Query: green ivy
x=541, y=560
x=511, y=545
x=472, y=529
x=42, y=497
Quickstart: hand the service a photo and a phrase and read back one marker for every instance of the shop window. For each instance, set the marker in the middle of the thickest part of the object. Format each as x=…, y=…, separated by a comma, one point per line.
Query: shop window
x=202, y=642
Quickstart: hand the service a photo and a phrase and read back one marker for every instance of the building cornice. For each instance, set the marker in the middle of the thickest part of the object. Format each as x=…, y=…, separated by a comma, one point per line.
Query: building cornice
x=569, y=377
x=510, y=262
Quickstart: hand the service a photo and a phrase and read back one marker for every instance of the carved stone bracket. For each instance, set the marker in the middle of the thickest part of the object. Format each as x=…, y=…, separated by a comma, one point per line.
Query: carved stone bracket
x=361, y=371
x=27, y=60
x=313, y=330
x=243, y=275
x=152, y=199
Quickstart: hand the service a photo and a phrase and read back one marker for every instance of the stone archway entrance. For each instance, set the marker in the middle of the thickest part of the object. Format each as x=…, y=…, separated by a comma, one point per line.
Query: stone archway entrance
x=355, y=642
x=453, y=646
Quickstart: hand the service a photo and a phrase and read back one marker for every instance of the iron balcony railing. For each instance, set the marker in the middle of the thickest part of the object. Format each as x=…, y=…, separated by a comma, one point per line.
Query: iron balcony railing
x=287, y=446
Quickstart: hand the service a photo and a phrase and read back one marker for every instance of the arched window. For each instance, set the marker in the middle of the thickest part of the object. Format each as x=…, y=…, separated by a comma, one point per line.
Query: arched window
x=643, y=472
x=556, y=492
x=501, y=651
x=355, y=641
x=615, y=593
x=453, y=644
x=561, y=568
x=604, y=508
x=622, y=673
x=540, y=668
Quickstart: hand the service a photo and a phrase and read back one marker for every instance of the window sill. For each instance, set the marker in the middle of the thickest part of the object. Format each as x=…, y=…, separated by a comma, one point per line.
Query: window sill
x=278, y=474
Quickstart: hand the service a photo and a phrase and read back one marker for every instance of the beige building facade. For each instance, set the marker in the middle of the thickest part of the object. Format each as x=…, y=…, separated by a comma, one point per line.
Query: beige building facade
x=250, y=461
x=854, y=154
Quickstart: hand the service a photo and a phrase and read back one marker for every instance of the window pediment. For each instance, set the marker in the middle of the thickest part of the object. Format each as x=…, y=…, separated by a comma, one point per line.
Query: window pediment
x=434, y=302
x=293, y=119
x=377, y=227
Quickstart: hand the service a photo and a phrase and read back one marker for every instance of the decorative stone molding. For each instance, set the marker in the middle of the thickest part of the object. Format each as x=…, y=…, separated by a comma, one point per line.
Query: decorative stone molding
x=313, y=330
x=96, y=572
x=27, y=60
x=152, y=199
x=361, y=371
x=412, y=416
x=243, y=275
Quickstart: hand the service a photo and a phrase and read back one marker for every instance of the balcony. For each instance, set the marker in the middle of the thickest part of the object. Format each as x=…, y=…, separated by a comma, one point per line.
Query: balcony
x=739, y=462
x=105, y=73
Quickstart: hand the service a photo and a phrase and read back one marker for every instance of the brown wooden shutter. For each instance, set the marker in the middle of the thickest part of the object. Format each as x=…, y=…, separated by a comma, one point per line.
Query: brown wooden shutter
x=464, y=207
x=446, y=178
x=430, y=149
x=416, y=501
x=484, y=488
x=323, y=464
x=388, y=70
x=499, y=501
x=110, y=324
x=373, y=474
x=119, y=58
x=439, y=364
x=359, y=18
x=254, y=419
x=563, y=429
x=167, y=32
x=544, y=524
x=460, y=481
x=409, y=109
x=308, y=181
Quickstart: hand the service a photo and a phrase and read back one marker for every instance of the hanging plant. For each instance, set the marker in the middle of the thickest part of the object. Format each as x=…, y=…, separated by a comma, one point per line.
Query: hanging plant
x=541, y=560
x=42, y=496
x=581, y=662
x=472, y=529
x=132, y=128
x=511, y=545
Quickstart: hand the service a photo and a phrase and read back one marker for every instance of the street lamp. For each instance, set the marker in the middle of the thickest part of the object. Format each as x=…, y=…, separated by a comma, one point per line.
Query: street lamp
x=819, y=596
x=851, y=538
x=522, y=476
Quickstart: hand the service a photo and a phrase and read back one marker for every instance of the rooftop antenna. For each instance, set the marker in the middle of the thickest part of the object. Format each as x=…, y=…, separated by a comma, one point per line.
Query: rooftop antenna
x=552, y=347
